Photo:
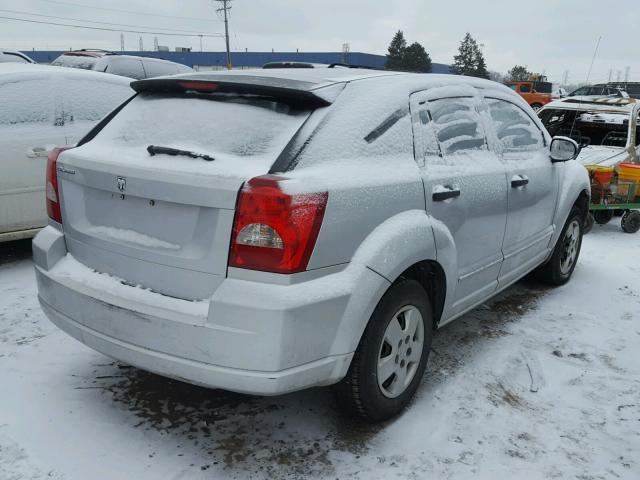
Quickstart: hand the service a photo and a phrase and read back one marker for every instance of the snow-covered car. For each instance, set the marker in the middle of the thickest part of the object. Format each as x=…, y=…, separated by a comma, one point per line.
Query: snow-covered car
x=273, y=230
x=124, y=65
x=607, y=129
x=12, y=56
x=43, y=107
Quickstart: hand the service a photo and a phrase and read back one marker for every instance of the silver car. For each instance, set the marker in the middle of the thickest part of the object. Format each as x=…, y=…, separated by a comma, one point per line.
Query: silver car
x=270, y=231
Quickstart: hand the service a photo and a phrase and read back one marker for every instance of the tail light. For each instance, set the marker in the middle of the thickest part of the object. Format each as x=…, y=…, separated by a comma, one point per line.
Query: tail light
x=275, y=231
x=51, y=185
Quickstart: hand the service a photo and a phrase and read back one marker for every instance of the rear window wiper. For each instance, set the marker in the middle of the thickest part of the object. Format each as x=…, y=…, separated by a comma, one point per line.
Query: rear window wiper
x=156, y=150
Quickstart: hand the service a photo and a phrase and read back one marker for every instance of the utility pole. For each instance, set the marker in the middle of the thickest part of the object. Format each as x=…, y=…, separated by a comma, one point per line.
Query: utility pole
x=626, y=74
x=226, y=6
x=566, y=78
x=121, y=42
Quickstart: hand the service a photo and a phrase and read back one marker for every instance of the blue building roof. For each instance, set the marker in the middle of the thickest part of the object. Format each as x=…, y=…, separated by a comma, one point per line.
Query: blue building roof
x=248, y=59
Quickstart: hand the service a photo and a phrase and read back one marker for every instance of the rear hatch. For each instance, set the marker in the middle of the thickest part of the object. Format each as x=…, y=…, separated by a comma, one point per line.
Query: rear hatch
x=164, y=222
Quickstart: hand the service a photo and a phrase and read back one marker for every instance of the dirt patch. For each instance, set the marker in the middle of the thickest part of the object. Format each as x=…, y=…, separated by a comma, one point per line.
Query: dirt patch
x=502, y=395
x=293, y=435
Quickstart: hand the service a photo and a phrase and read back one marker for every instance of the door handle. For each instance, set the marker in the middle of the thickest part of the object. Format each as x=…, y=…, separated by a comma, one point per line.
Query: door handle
x=34, y=152
x=444, y=193
x=519, y=181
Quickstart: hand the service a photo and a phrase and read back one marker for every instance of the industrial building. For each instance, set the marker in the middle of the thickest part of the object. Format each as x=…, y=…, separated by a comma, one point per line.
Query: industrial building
x=240, y=60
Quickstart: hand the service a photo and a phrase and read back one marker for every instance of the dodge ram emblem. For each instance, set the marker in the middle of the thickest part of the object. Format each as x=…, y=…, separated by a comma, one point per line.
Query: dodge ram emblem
x=122, y=183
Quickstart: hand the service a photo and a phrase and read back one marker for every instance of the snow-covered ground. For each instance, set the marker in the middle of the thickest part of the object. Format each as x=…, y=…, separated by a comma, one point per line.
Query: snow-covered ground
x=537, y=383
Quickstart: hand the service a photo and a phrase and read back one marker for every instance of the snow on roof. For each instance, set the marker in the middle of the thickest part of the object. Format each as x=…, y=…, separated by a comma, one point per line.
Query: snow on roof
x=10, y=72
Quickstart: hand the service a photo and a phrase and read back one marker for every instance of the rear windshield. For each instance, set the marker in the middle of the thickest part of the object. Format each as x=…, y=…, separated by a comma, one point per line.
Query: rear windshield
x=231, y=128
x=75, y=61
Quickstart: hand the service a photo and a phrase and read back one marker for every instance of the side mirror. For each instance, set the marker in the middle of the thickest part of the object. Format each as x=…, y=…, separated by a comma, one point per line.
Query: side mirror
x=564, y=149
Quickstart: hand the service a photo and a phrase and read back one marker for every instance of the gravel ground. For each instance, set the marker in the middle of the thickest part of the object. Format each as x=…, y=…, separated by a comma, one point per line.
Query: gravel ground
x=537, y=383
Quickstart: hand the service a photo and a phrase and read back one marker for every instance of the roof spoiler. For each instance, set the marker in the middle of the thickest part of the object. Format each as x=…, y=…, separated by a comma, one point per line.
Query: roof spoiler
x=293, y=91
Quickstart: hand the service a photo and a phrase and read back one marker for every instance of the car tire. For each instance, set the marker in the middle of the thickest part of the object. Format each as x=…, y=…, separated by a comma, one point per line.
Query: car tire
x=588, y=223
x=559, y=268
x=403, y=315
x=630, y=222
x=602, y=217
x=536, y=106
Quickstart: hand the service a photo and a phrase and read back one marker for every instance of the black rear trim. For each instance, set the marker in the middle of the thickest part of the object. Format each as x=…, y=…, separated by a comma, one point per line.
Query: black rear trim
x=296, y=92
x=103, y=123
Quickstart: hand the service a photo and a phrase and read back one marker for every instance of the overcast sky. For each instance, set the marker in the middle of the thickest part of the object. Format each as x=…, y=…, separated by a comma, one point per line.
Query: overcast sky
x=549, y=36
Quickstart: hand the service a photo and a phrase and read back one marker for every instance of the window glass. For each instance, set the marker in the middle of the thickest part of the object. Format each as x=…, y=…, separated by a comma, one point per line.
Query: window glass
x=513, y=87
x=156, y=69
x=525, y=88
x=27, y=101
x=457, y=125
x=126, y=67
x=91, y=99
x=513, y=127
x=12, y=58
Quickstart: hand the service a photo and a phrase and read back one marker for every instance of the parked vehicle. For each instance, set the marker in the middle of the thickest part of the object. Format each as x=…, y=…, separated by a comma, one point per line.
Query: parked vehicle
x=269, y=231
x=536, y=94
x=615, y=89
x=11, y=56
x=608, y=130
x=42, y=107
x=123, y=65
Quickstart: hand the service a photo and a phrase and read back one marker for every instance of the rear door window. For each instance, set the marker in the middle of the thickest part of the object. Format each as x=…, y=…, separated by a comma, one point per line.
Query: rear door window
x=457, y=125
x=514, y=129
x=525, y=88
x=156, y=69
x=126, y=67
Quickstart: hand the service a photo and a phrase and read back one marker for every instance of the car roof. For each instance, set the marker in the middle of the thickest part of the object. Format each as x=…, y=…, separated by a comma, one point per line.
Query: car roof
x=594, y=103
x=13, y=71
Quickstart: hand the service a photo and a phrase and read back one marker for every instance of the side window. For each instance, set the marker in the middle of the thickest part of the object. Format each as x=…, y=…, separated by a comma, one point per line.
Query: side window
x=457, y=125
x=514, y=129
x=126, y=67
x=90, y=99
x=27, y=101
x=157, y=69
x=525, y=88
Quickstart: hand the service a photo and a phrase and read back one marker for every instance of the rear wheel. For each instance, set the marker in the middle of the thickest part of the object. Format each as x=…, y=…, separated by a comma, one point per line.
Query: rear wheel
x=630, y=221
x=558, y=270
x=536, y=106
x=389, y=362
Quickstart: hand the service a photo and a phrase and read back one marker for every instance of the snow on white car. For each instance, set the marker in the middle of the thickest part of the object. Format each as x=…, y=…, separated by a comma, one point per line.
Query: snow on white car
x=270, y=231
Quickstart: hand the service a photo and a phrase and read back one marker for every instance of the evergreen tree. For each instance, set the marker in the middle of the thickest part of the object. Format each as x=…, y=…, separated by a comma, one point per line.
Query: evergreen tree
x=416, y=59
x=481, y=66
x=518, y=74
x=396, y=50
x=470, y=60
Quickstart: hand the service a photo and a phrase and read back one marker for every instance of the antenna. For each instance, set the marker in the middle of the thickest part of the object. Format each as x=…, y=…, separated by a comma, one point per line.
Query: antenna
x=226, y=6
x=593, y=59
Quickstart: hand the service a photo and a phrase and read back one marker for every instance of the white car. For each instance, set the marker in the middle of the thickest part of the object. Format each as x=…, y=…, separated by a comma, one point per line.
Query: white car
x=123, y=65
x=11, y=56
x=43, y=107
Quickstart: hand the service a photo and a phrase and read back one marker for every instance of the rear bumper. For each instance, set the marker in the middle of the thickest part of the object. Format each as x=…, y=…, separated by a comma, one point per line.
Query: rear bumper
x=250, y=337
x=325, y=371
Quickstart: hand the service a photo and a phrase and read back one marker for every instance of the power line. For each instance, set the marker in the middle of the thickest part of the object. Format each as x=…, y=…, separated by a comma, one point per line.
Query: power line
x=217, y=35
x=96, y=22
x=146, y=14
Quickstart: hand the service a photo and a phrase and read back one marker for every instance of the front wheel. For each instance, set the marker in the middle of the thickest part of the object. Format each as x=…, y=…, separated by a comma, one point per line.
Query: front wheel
x=536, y=106
x=558, y=270
x=630, y=221
x=390, y=360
